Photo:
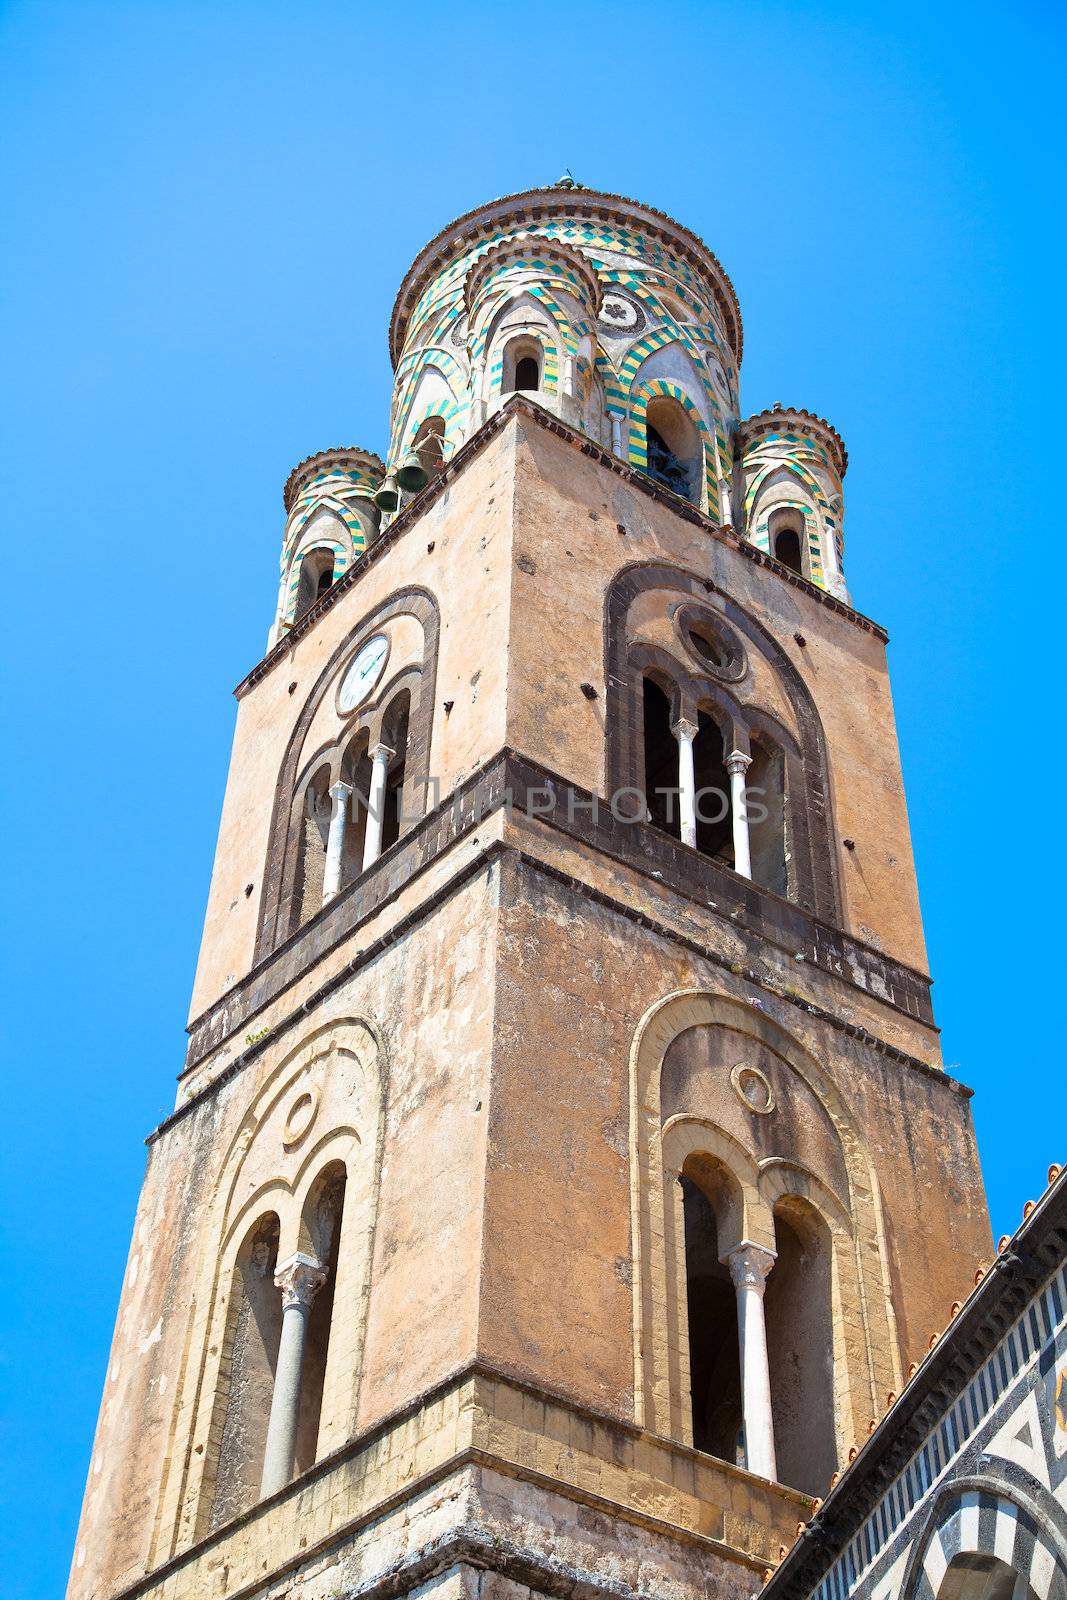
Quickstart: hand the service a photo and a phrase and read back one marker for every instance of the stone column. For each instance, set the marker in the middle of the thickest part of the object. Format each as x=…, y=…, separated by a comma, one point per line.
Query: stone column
x=737, y=765
x=299, y=1279
x=380, y=756
x=685, y=732
x=340, y=794
x=726, y=509
x=749, y=1265
x=616, y=435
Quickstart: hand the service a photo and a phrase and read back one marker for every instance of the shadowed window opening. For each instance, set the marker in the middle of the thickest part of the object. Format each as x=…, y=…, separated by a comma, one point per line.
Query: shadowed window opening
x=395, y=735
x=316, y=579
x=673, y=448
x=356, y=771
x=766, y=817
x=661, y=760
x=714, y=1356
x=522, y=365
x=253, y=1332
x=527, y=375
x=715, y=834
x=798, y=1313
x=711, y=649
x=314, y=833
x=323, y=1216
x=787, y=539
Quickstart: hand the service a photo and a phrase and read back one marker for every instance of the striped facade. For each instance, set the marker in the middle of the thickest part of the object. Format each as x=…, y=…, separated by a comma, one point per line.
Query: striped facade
x=662, y=322
x=977, y=1510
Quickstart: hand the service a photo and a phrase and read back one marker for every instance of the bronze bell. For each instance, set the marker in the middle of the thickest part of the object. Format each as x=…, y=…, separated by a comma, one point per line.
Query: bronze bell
x=411, y=475
x=387, y=495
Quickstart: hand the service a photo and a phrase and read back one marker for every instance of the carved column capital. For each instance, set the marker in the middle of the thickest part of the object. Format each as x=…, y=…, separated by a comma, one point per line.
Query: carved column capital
x=382, y=754
x=749, y=1266
x=340, y=793
x=300, y=1279
x=737, y=763
x=684, y=728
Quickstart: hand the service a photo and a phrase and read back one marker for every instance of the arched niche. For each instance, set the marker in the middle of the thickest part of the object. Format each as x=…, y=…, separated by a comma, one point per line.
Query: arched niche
x=812, y=855
x=307, y=1154
x=323, y=734
x=697, y=1100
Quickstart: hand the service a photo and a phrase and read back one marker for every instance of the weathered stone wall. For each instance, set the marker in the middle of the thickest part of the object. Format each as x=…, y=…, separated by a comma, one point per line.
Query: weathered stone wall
x=474, y=1016
x=416, y=1024
x=578, y=524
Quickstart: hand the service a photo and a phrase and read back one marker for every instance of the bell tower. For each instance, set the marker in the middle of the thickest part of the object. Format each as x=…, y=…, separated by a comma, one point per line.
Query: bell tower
x=563, y=1170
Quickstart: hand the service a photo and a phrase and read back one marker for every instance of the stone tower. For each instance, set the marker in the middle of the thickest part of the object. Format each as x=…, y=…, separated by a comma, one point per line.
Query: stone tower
x=563, y=1169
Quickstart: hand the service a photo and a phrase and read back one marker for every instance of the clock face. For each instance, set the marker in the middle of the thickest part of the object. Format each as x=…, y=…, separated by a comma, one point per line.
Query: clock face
x=364, y=673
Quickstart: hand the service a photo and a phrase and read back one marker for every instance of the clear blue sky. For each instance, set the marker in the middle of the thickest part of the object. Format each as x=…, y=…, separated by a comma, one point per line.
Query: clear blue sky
x=206, y=212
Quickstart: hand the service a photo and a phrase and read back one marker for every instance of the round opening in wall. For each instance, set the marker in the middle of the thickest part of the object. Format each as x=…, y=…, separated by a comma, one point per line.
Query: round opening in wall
x=301, y=1116
x=753, y=1089
x=708, y=647
x=709, y=641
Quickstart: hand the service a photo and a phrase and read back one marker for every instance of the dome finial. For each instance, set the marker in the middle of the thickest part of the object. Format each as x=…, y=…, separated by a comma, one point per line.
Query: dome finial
x=567, y=181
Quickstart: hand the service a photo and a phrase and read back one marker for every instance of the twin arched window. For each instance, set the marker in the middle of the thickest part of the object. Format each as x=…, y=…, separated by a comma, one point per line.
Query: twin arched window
x=269, y=1401
x=798, y=1328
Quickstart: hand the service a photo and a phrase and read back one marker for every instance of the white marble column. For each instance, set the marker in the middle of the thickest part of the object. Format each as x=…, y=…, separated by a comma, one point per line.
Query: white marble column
x=299, y=1279
x=616, y=435
x=749, y=1265
x=726, y=509
x=737, y=765
x=380, y=756
x=340, y=794
x=685, y=732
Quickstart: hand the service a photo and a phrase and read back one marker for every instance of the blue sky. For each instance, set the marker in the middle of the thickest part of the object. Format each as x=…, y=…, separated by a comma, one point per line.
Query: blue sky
x=207, y=211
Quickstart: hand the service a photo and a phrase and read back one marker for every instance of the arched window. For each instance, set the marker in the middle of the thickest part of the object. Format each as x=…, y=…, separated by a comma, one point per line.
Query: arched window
x=661, y=760
x=527, y=373
x=715, y=834
x=250, y=1356
x=321, y=1239
x=395, y=735
x=765, y=784
x=522, y=365
x=786, y=530
x=714, y=1356
x=674, y=451
x=316, y=578
x=800, y=1342
x=356, y=772
x=429, y=445
x=314, y=833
